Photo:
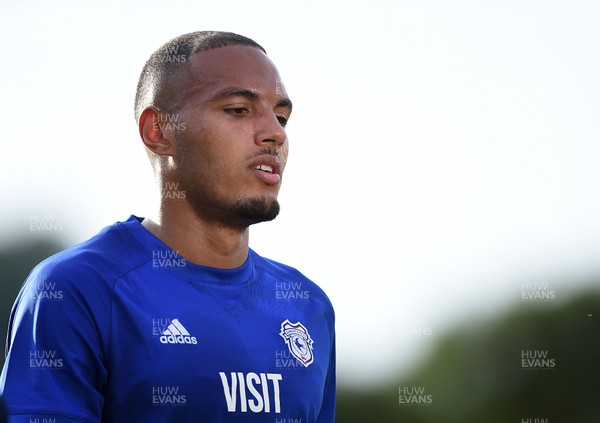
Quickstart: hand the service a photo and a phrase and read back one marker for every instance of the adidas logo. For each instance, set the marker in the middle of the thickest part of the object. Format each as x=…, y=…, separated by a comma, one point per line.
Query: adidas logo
x=177, y=334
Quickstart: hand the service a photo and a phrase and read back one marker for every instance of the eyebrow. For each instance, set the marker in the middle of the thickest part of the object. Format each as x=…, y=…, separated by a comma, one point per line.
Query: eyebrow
x=246, y=93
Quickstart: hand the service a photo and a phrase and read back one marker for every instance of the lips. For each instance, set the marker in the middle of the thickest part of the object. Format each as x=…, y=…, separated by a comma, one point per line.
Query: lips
x=267, y=168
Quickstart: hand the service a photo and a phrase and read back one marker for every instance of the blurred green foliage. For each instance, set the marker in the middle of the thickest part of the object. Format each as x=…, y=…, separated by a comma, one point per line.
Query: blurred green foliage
x=477, y=374
x=474, y=374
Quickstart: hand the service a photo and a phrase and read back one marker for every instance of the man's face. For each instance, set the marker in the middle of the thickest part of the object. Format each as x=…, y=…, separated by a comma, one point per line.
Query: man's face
x=232, y=152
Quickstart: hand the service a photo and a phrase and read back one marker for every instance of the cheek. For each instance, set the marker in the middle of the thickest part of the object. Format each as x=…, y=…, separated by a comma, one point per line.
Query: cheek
x=192, y=156
x=284, y=151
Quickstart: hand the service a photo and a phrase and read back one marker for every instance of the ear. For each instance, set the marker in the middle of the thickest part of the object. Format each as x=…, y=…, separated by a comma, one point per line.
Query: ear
x=154, y=138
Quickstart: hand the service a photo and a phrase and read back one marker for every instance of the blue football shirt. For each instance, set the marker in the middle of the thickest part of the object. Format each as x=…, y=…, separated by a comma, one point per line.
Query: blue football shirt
x=121, y=328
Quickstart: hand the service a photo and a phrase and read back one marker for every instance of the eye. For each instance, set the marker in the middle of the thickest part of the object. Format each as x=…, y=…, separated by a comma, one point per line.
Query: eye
x=283, y=120
x=237, y=111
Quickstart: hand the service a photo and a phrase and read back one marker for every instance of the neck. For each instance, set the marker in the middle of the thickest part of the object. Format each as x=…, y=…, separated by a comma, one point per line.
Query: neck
x=199, y=241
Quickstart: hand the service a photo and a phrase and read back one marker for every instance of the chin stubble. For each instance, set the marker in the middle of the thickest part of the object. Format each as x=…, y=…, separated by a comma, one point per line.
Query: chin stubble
x=203, y=198
x=256, y=210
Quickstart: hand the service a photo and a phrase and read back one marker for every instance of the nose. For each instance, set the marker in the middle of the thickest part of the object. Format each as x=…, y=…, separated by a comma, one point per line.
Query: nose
x=269, y=130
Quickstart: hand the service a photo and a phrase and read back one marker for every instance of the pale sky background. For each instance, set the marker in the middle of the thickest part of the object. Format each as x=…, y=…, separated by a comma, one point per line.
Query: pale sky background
x=442, y=152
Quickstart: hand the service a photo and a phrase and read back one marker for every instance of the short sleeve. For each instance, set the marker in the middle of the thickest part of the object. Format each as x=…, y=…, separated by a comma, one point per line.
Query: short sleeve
x=55, y=365
x=327, y=413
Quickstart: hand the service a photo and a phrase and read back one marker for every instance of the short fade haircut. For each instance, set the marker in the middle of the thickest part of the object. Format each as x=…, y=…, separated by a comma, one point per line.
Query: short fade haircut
x=160, y=83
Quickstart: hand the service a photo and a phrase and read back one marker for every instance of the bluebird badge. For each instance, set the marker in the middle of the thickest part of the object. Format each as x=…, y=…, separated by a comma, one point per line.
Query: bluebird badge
x=298, y=341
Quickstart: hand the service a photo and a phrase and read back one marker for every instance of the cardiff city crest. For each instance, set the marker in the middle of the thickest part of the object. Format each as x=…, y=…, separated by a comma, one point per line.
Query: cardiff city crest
x=298, y=341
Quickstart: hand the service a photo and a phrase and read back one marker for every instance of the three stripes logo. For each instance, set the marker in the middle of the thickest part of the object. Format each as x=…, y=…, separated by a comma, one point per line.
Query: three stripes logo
x=175, y=333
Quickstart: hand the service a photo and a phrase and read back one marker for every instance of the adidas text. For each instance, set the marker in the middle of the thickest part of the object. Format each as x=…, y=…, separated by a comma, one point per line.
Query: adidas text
x=175, y=333
x=178, y=339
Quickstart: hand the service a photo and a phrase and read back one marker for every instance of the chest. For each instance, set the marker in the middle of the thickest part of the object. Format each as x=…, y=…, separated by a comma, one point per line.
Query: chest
x=216, y=352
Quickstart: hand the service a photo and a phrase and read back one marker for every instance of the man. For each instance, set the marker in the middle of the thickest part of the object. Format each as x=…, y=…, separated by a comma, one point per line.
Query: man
x=176, y=319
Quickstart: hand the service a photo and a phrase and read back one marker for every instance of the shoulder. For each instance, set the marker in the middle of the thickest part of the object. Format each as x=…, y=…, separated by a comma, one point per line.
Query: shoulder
x=105, y=257
x=284, y=273
x=73, y=290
